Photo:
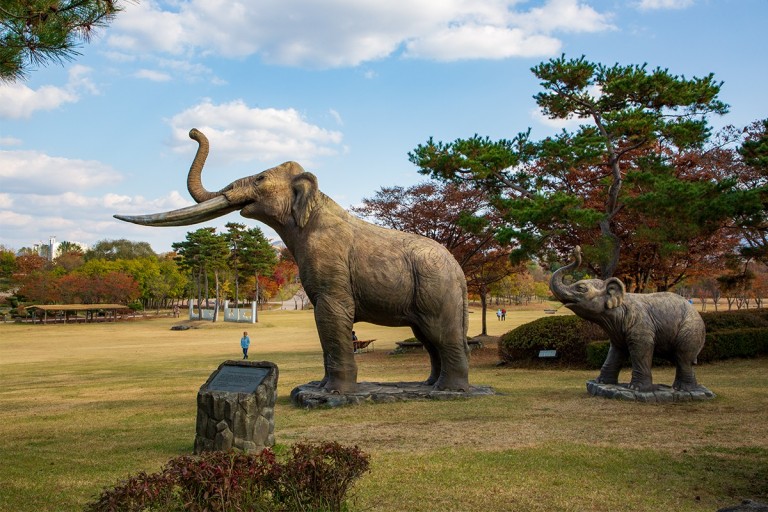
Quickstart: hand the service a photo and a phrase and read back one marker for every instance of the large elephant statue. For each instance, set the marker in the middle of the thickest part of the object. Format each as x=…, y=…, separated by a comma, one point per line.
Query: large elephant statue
x=352, y=270
x=639, y=325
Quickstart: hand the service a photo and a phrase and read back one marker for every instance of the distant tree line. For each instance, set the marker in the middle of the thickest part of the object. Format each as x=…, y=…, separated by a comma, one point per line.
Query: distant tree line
x=239, y=261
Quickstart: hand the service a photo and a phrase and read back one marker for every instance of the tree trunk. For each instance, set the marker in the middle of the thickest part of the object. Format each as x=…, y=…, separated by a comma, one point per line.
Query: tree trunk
x=256, y=310
x=216, y=303
x=199, y=294
x=207, y=288
x=484, y=308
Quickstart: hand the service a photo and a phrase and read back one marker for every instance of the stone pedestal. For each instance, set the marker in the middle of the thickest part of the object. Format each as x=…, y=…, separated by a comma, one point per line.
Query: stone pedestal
x=661, y=394
x=312, y=395
x=236, y=407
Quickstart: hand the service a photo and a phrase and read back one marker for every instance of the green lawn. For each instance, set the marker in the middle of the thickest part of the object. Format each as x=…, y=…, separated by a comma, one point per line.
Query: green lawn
x=82, y=406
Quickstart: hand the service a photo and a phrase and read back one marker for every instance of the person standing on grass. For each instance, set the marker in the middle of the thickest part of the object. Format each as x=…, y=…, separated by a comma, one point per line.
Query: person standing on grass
x=245, y=342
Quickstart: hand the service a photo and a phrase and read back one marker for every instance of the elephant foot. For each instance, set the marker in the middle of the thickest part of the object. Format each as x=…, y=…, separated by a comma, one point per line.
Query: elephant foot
x=337, y=386
x=685, y=386
x=607, y=380
x=456, y=384
x=642, y=386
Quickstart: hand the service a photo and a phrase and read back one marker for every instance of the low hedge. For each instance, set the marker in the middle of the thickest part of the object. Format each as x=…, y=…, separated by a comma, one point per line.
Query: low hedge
x=581, y=343
x=748, y=342
x=568, y=335
x=716, y=321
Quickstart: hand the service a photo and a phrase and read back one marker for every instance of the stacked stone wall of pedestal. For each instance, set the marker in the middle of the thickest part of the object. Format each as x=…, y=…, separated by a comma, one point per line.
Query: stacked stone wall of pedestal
x=242, y=421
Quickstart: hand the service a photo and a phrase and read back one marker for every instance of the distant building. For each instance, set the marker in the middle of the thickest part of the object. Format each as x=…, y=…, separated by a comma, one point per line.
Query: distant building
x=52, y=249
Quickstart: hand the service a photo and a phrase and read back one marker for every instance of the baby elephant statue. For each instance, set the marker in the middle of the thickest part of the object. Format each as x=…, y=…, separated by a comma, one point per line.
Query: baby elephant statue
x=351, y=270
x=639, y=325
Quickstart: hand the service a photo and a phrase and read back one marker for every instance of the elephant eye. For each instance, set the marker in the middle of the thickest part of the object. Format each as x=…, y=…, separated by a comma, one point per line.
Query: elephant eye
x=581, y=288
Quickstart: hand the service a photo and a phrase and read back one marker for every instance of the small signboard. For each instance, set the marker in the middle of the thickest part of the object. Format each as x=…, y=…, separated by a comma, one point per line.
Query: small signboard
x=238, y=379
x=547, y=353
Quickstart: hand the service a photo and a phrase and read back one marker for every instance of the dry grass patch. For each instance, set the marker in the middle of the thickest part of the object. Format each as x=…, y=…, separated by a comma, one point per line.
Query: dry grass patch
x=90, y=404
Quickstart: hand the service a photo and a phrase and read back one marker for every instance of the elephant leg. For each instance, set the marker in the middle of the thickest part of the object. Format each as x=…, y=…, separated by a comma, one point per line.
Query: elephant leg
x=641, y=356
x=450, y=343
x=434, y=356
x=609, y=372
x=688, y=345
x=325, y=370
x=685, y=378
x=334, y=322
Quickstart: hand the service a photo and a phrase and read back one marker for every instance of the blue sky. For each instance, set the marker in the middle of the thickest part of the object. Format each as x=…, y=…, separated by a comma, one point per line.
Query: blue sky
x=345, y=87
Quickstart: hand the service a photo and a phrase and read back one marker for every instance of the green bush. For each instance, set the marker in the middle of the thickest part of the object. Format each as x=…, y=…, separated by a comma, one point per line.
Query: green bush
x=741, y=333
x=316, y=477
x=748, y=342
x=568, y=335
x=597, y=351
x=729, y=320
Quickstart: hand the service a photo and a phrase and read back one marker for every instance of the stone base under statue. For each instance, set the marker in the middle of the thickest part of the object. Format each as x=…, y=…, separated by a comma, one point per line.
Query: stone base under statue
x=662, y=394
x=311, y=395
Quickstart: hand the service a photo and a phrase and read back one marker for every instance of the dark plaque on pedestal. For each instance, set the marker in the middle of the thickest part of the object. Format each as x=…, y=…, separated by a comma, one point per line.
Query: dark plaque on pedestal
x=238, y=379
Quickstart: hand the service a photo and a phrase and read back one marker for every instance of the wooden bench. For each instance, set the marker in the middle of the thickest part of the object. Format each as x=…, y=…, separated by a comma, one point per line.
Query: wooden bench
x=363, y=346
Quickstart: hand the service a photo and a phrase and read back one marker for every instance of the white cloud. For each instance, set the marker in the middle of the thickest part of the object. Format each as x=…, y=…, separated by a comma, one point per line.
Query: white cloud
x=152, y=76
x=29, y=218
x=565, y=16
x=559, y=124
x=17, y=101
x=238, y=132
x=34, y=172
x=6, y=201
x=138, y=204
x=336, y=117
x=339, y=33
x=10, y=141
x=647, y=5
x=469, y=42
x=144, y=25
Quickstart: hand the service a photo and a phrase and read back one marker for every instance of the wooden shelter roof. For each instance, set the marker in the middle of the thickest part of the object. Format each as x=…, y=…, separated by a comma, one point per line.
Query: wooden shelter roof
x=77, y=307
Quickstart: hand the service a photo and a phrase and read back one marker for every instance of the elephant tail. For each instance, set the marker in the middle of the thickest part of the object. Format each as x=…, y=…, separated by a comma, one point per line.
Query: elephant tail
x=465, y=322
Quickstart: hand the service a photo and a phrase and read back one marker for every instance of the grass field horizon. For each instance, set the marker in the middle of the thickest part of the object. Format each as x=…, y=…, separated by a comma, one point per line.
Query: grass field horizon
x=85, y=405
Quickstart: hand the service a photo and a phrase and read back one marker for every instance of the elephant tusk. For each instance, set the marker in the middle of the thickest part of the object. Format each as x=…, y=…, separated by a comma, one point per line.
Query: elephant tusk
x=200, y=212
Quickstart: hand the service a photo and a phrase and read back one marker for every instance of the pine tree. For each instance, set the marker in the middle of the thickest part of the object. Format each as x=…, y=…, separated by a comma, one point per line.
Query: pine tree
x=36, y=32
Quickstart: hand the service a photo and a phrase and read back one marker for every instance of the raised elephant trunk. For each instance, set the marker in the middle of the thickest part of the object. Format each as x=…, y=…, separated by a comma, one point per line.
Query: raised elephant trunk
x=194, y=179
x=210, y=204
x=559, y=289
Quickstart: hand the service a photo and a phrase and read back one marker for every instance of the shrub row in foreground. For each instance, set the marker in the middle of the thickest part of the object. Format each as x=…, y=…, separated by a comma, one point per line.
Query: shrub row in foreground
x=315, y=477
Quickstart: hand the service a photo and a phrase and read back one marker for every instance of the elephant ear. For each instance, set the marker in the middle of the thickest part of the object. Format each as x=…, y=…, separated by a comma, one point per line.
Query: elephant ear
x=304, y=197
x=614, y=290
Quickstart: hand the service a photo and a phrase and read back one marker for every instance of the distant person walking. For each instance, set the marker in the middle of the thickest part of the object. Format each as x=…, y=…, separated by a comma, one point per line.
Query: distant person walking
x=498, y=314
x=245, y=342
x=503, y=314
